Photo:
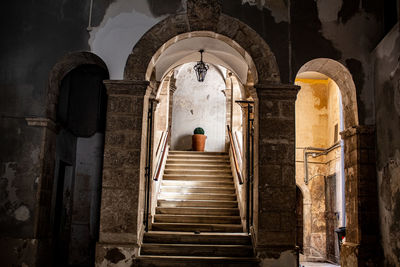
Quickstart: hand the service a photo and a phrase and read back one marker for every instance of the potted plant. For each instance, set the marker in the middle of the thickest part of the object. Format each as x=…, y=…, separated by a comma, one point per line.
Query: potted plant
x=198, y=139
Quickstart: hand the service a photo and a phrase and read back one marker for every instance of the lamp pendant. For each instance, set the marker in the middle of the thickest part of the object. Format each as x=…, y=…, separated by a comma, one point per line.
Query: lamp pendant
x=201, y=68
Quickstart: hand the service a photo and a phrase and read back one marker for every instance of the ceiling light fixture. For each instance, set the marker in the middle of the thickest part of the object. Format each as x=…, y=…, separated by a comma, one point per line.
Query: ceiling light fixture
x=201, y=68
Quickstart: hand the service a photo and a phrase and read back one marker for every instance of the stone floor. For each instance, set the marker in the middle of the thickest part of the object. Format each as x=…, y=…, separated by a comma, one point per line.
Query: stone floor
x=317, y=264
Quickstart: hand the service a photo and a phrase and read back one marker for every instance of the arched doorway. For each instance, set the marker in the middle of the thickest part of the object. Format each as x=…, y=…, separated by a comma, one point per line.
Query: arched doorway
x=78, y=105
x=356, y=140
x=275, y=194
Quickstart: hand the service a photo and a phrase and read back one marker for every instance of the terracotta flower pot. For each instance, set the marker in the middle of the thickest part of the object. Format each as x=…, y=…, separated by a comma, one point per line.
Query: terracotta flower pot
x=198, y=142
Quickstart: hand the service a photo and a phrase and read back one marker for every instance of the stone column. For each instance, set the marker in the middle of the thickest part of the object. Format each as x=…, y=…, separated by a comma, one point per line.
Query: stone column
x=276, y=175
x=172, y=89
x=362, y=217
x=121, y=214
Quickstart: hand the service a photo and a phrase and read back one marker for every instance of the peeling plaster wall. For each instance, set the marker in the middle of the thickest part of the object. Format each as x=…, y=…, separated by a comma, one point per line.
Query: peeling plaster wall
x=198, y=104
x=317, y=112
x=387, y=97
x=122, y=26
x=346, y=31
x=39, y=33
x=35, y=35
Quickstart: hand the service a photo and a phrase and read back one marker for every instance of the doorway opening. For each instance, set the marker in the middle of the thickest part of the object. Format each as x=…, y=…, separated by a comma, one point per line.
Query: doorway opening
x=320, y=164
x=80, y=114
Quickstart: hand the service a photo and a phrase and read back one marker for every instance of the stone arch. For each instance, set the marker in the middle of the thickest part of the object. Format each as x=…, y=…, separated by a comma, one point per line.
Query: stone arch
x=343, y=78
x=246, y=41
x=274, y=198
x=63, y=66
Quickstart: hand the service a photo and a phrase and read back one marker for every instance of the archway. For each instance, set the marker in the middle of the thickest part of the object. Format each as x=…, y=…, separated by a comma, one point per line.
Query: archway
x=76, y=105
x=275, y=194
x=357, y=143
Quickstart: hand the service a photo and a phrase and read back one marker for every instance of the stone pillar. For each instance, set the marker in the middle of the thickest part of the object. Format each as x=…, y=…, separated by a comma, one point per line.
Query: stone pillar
x=172, y=89
x=276, y=221
x=362, y=218
x=121, y=214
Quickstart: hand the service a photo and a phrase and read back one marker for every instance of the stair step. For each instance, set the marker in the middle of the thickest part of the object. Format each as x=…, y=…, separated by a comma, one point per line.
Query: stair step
x=195, y=167
x=190, y=189
x=196, y=196
x=178, y=152
x=217, y=183
x=192, y=238
x=199, y=177
x=197, y=172
x=174, y=218
x=198, y=157
x=199, y=211
x=196, y=261
x=212, y=161
x=196, y=250
x=196, y=203
x=192, y=227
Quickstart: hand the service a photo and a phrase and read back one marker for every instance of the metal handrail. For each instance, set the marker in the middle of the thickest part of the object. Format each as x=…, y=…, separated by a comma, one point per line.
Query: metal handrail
x=235, y=160
x=161, y=157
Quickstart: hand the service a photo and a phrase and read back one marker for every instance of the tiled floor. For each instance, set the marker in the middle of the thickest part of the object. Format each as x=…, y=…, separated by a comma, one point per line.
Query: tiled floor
x=317, y=264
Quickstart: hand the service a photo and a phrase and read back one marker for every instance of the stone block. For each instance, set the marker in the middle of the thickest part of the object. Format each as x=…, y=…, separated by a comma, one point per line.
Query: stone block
x=133, y=139
x=288, y=175
x=108, y=254
x=273, y=174
x=117, y=158
x=120, y=104
x=287, y=109
x=276, y=198
x=118, y=123
x=227, y=26
x=120, y=178
x=119, y=210
x=272, y=153
x=115, y=139
x=268, y=109
x=288, y=221
x=268, y=238
x=270, y=220
x=277, y=129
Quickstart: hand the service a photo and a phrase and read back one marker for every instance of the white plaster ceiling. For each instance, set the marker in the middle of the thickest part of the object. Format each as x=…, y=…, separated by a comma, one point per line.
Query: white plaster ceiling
x=216, y=52
x=312, y=75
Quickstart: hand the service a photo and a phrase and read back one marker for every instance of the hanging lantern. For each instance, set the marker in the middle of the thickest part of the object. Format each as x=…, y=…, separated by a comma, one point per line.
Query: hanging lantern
x=201, y=68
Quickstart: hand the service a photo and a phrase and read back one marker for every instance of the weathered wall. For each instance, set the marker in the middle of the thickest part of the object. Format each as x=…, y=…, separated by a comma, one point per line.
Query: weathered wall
x=387, y=97
x=38, y=33
x=42, y=32
x=199, y=104
x=317, y=112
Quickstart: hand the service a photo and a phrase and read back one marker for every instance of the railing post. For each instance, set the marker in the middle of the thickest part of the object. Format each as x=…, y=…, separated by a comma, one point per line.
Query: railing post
x=148, y=164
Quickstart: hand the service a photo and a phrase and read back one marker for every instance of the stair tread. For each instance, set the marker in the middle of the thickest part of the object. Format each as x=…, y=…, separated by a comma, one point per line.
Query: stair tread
x=203, y=200
x=217, y=176
x=190, y=193
x=200, y=257
x=197, y=187
x=195, y=215
x=196, y=152
x=197, y=245
x=201, y=208
x=240, y=234
x=197, y=165
x=200, y=224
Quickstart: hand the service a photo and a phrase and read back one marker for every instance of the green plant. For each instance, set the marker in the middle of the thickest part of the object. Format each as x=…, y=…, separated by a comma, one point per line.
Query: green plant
x=198, y=130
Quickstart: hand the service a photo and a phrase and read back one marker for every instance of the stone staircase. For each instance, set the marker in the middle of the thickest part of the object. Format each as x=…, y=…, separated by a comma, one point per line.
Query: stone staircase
x=197, y=221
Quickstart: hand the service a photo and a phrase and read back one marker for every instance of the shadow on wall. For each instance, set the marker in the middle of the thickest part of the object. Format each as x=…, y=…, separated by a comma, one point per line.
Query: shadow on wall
x=184, y=142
